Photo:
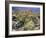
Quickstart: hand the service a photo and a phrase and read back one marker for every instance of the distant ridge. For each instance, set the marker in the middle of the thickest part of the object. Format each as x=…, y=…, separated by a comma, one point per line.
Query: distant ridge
x=26, y=13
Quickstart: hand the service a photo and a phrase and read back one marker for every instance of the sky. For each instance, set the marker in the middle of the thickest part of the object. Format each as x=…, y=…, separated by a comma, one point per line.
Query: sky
x=33, y=9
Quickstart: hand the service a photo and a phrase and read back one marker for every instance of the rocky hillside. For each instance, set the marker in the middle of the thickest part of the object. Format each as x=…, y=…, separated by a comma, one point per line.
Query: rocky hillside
x=25, y=20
